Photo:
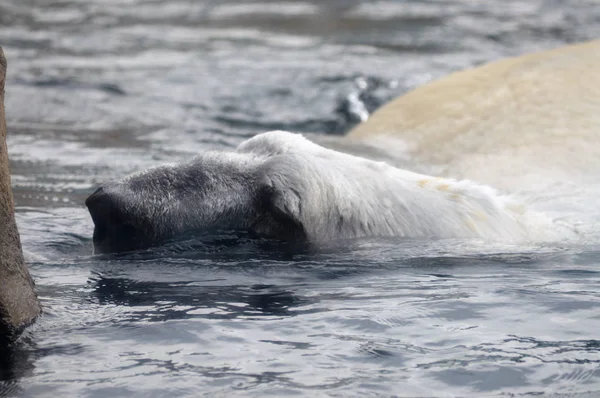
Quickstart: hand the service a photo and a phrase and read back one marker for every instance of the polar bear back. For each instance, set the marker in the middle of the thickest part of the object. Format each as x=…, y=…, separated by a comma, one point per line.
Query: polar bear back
x=520, y=121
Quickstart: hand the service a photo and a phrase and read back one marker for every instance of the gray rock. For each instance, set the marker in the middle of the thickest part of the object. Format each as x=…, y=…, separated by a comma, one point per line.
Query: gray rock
x=19, y=305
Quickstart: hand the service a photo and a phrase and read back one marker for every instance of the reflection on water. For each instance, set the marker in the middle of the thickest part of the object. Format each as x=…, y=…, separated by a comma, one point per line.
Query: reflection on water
x=97, y=89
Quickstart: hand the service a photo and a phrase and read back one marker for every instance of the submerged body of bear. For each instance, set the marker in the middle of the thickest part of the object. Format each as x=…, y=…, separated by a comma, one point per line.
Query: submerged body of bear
x=281, y=185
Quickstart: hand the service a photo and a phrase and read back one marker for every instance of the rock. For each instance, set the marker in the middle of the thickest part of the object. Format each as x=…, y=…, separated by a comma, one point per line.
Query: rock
x=19, y=305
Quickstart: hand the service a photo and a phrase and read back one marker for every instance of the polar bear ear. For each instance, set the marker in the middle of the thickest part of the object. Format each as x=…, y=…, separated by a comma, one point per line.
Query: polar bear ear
x=284, y=206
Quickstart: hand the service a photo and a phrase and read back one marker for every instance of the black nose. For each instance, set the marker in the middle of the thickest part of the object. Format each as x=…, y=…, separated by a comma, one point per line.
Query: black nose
x=115, y=229
x=103, y=207
x=93, y=198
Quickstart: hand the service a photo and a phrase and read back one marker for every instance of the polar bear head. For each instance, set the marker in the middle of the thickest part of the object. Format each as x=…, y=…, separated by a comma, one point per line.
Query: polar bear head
x=217, y=190
x=283, y=186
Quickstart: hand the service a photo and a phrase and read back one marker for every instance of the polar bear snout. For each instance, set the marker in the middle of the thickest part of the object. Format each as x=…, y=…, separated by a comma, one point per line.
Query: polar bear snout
x=116, y=228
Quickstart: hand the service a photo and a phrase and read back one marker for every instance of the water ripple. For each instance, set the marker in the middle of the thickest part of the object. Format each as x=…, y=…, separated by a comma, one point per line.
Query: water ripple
x=100, y=88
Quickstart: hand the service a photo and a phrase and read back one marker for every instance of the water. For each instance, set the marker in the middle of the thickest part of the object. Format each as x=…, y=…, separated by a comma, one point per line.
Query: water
x=98, y=89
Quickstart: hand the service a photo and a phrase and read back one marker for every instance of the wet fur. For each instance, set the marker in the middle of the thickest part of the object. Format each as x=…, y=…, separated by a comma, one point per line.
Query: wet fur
x=281, y=185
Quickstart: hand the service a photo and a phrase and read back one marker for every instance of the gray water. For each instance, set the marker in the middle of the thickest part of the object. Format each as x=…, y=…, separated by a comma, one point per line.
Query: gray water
x=100, y=88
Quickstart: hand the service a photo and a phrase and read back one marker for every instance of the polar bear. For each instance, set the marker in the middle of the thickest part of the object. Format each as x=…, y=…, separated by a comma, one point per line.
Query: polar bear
x=281, y=185
x=523, y=123
x=528, y=125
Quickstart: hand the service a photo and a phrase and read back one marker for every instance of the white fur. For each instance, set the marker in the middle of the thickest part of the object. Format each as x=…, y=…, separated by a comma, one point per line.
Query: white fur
x=281, y=185
x=336, y=195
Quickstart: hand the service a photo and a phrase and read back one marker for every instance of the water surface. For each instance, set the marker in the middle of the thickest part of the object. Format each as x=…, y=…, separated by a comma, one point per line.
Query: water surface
x=99, y=88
